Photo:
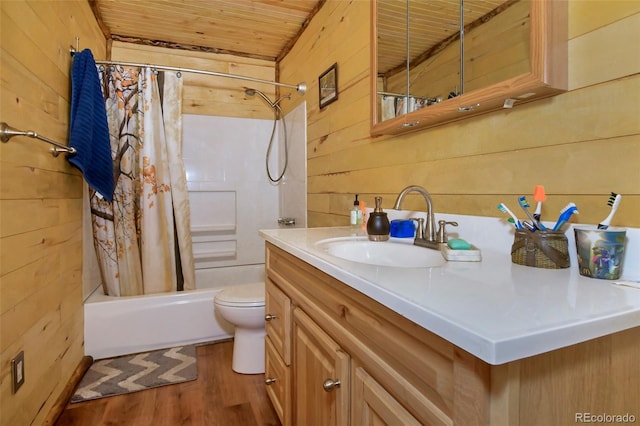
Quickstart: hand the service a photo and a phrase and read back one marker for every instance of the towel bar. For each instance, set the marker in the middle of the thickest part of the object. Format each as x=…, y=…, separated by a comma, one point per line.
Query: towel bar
x=7, y=132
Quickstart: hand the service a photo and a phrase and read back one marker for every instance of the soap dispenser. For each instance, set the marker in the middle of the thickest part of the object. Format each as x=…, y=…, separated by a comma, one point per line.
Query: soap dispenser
x=378, y=223
x=355, y=215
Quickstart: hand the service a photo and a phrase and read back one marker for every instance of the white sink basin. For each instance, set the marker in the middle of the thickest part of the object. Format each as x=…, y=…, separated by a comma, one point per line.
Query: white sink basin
x=381, y=253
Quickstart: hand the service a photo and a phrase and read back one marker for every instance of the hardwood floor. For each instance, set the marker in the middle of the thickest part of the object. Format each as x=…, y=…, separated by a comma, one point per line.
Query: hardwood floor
x=219, y=397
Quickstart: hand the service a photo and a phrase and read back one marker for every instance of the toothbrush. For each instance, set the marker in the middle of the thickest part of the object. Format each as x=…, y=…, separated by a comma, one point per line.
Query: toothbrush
x=505, y=209
x=565, y=214
x=525, y=206
x=540, y=197
x=614, y=202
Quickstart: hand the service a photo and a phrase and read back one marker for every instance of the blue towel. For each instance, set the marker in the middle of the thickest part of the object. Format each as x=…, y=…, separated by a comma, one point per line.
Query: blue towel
x=89, y=131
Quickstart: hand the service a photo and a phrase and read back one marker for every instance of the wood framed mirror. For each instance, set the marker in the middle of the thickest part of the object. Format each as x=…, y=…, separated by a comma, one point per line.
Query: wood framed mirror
x=439, y=61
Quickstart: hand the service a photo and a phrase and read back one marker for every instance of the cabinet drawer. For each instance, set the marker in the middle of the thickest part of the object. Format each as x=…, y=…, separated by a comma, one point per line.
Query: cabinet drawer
x=278, y=320
x=278, y=382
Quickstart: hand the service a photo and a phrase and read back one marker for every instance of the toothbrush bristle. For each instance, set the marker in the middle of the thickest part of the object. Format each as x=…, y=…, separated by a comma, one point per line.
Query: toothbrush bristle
x=614, y=202
x=614, y=199
x=523, y=201
x=568, y=206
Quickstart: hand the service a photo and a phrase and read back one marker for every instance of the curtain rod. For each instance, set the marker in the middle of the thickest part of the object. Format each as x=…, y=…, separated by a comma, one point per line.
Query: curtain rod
x=300, y=88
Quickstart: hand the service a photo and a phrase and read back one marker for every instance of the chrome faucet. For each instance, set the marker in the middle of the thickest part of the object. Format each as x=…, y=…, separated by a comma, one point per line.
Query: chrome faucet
x=426, y=231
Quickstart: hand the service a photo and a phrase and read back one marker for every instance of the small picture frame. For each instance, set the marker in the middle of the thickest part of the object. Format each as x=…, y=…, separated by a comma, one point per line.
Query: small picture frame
x=328, y=86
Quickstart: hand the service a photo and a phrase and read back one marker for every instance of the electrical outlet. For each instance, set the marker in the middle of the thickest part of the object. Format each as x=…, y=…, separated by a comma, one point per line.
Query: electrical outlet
x=17, y=372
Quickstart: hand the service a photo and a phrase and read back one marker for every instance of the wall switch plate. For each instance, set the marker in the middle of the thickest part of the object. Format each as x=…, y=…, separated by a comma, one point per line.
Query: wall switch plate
x=17, y=372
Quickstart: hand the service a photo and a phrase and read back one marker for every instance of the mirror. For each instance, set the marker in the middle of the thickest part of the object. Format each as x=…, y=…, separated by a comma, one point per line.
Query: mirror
x=429, y=54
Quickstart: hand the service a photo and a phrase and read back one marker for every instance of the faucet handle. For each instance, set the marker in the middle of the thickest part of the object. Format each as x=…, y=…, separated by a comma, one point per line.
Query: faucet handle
x=442, y=235
x=419, y=228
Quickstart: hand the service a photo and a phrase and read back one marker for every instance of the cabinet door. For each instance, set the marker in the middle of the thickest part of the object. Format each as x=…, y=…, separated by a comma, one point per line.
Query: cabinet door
x=372, y=405
x=321, y=385
x=278, y=320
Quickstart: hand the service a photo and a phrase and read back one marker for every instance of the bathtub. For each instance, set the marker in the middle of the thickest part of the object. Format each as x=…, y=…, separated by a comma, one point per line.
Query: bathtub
x=116, y=326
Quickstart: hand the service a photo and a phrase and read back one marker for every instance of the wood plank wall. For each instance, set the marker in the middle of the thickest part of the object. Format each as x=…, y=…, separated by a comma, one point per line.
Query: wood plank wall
x=41, y=311
x=207, y=95
x=580, y=145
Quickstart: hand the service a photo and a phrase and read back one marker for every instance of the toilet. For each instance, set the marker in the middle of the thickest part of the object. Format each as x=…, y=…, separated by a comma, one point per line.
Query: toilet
x=243, y=307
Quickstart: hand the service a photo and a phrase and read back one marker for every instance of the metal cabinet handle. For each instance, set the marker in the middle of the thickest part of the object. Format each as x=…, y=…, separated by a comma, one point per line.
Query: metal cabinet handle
x=468, y=108
x=270, y=381
x=330, y=385
x=270, y=317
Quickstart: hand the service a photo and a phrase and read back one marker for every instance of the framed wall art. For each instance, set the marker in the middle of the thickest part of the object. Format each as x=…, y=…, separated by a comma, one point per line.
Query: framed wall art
x=328, y=86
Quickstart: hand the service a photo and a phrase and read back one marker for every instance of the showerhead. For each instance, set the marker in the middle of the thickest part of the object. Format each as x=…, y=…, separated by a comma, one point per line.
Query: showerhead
x=252, y=92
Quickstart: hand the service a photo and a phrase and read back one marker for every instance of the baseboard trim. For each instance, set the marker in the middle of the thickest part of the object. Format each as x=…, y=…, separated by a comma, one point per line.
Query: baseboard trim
x=66, y=394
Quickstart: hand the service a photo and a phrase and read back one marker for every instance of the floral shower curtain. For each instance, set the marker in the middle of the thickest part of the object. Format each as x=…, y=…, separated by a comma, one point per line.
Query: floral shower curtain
x=139, y=236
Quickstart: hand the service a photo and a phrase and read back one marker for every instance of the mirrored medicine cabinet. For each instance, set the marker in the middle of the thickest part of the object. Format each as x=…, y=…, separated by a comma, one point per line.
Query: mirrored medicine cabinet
x=437, y=61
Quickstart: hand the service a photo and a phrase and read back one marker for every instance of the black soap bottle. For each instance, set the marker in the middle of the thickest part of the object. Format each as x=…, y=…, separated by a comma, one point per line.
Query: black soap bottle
x=378, y=223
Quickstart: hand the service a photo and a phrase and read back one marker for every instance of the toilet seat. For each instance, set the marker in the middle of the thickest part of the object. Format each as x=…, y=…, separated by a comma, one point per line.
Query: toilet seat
x=242, y=296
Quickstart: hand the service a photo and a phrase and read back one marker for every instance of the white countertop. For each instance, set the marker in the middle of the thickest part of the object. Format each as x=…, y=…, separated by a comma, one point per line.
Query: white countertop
x=494, y=309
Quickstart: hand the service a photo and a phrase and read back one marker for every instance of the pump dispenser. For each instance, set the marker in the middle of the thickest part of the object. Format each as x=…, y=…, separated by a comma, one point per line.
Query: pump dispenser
x=378, y=223
x=355, y=215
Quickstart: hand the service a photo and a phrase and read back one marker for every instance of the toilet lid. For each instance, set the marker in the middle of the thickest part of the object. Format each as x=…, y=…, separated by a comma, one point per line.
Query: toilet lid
x=248, y=295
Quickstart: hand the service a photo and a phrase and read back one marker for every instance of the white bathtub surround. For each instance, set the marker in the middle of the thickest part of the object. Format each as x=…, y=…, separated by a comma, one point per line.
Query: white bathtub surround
x=224, y=276
x=116, y=326
x=494, y=309
x=293, y=186
x=231, y=196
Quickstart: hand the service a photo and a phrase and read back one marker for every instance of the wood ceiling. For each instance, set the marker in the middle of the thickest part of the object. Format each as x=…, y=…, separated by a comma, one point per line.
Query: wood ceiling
x=262, y=29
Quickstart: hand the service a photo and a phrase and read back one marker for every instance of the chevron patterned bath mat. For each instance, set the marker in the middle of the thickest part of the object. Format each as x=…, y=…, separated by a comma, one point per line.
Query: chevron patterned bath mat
x=131, y=373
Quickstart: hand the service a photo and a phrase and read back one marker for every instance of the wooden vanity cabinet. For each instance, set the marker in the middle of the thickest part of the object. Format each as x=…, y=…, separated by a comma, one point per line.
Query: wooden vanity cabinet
x=390, y=370
x=394, y=372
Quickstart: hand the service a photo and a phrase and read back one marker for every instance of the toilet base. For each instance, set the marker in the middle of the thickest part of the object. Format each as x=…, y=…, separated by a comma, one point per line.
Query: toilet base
x=248, y=351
